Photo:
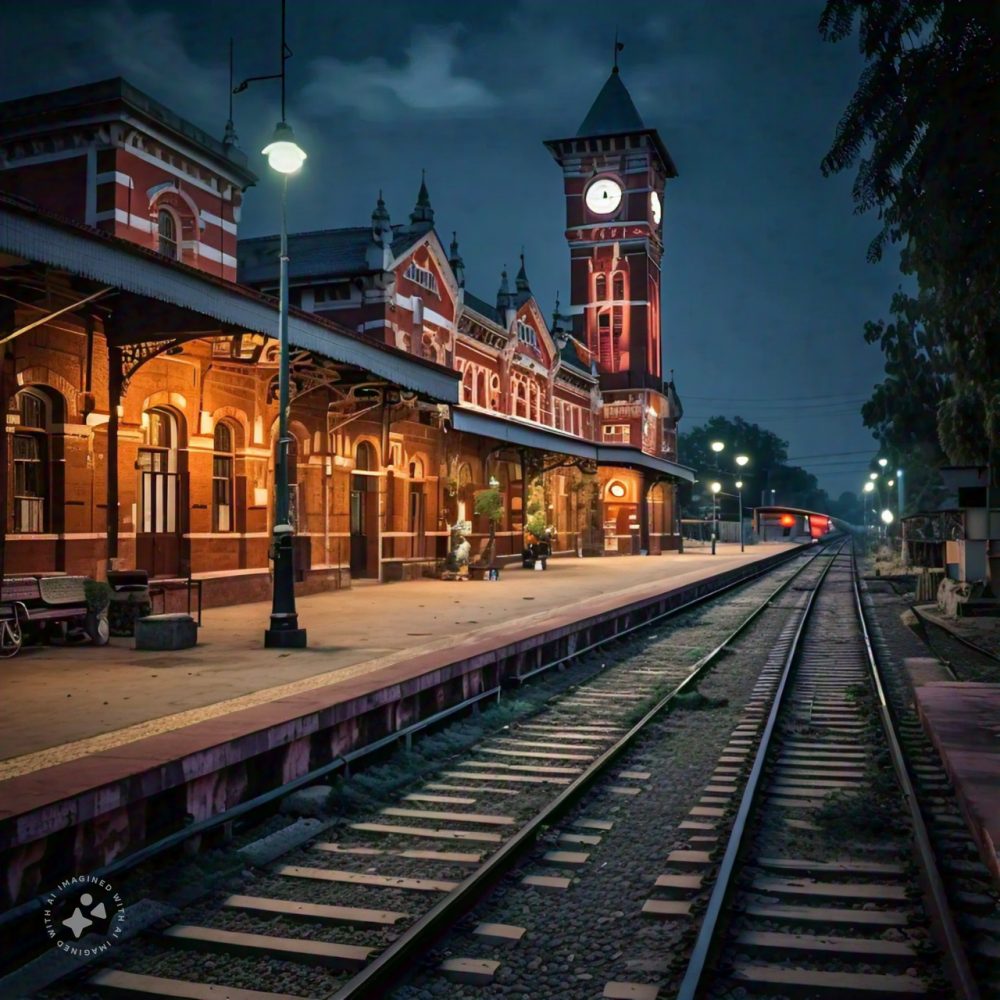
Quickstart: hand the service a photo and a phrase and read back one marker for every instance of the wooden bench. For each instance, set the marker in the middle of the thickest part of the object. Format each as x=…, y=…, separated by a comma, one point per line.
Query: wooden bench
x=30, y=604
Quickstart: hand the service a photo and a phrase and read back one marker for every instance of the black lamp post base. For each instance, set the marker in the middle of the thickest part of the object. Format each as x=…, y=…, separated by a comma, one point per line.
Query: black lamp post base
x=285, y=638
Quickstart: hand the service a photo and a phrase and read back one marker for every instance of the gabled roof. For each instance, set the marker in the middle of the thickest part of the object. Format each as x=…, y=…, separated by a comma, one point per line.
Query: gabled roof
x=570, y=357
x=481, y=306
x=613, y=111
x=323, y=253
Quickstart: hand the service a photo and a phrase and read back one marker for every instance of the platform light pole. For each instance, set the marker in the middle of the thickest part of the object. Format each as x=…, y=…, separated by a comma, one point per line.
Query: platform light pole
x=869, y=487
x=715, y=487
x=739, y=494
x=285, y=156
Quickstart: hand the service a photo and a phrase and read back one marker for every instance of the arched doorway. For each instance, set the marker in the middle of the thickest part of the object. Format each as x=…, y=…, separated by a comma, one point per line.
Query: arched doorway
x=158, y=534
x=364, y=512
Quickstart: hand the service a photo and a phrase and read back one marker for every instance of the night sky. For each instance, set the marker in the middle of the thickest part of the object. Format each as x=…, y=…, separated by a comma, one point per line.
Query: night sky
x=765, y=284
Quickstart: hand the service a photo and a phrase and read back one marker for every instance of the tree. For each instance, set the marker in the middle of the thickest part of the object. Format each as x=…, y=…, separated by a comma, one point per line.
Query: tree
x=921, y=129
x=767, y=469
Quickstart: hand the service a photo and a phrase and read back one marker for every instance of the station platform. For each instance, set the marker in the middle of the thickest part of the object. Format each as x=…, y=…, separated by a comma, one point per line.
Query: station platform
x=105, y=749
x=963, y=721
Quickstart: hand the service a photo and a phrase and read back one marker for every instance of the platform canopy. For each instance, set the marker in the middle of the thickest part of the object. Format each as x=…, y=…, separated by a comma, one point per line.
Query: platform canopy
x=31, y=241
x=526, y=435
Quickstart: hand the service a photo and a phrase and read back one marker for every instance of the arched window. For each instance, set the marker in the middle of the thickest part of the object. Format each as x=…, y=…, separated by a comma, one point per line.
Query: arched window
x=31, y=478
x=482, y=399
x=520, y=401
x=222, y=478
x=167, y=234
x=467, y=385
x=364, y=458
x=417, y=469
x=494, y=392
x=600, y=287
x=618, y=284
x=157, y=467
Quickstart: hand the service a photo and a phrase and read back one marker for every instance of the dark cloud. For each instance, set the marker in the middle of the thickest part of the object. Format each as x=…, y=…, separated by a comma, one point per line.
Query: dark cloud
x=765, y=285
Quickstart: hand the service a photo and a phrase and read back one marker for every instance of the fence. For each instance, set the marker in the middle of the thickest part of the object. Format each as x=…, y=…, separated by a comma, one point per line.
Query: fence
x=698, y=531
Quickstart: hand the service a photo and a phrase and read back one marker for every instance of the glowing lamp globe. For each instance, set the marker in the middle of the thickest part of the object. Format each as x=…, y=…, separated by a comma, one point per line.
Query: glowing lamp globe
x=742, y=460
x=873, y=475
x=283, y=153
x=883, y=462
x=869, y=486
x=739, y=484
x=715, y=487
x=717, y=446
x=887, y=517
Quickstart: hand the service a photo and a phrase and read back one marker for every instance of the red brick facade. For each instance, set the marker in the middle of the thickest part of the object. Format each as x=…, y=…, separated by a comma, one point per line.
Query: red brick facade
x=379, y=475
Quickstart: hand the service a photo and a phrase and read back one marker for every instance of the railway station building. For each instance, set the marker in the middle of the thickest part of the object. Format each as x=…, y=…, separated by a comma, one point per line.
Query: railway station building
x=140, y=362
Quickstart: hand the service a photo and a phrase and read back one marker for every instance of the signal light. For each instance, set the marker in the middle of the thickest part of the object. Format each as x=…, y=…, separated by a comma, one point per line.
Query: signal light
x=787, y=520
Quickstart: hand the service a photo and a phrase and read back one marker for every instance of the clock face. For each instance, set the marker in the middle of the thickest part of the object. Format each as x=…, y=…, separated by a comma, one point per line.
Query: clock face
x=604, y=196
x=654, y=206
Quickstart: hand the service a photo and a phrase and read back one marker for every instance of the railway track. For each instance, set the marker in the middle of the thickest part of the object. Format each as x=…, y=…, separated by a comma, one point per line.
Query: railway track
x=345, y=914
x=828, y=885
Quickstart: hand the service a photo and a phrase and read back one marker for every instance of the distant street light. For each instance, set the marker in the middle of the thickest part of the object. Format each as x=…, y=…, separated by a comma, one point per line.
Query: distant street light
x=883, y=462
x=887, y=517
x=869, y=486
x=873, y=476
x=742, y=460
x=715, y=487
x=717, y=446
x=739, y=493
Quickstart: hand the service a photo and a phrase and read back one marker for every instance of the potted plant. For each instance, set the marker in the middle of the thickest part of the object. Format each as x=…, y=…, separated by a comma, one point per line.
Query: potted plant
x=489, y=504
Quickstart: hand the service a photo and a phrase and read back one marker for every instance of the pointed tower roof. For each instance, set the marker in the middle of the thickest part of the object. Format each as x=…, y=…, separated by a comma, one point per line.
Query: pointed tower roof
x=455, y=259
x=422, y=213
x=613, y=112
x=505, y=299
x=521, y=281
x=381, y=224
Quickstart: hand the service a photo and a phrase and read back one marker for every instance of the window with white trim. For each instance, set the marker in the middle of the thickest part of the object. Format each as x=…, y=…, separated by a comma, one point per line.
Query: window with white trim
x=167, y=233
x=617, y=433
x=526, y=334
x=422, y=277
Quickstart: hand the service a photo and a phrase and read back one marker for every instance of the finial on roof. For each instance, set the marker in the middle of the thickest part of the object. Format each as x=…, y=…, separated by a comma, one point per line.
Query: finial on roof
x=229, y=138
x=423, y=213
x=618, y=47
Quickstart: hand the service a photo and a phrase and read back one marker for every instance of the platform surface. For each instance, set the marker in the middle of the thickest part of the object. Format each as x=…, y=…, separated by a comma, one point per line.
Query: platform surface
x=963, y=721
x=62, y=704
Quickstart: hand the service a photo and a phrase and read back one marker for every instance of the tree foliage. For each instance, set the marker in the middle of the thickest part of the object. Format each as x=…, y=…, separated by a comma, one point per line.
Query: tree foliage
x=767, y=469
x=922, y=129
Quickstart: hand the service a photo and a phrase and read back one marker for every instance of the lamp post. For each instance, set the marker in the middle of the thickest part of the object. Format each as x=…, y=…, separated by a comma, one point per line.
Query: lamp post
x=869, y=487
x=715, y=487
x=739, y=494
x=286, y=157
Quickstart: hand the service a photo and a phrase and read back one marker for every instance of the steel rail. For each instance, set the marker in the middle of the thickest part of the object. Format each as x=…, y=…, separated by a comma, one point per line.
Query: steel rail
x=723, y=886
x=670, y=612
x=935, y=897
x=178, y=837
x=374, y=979
x=968, y=643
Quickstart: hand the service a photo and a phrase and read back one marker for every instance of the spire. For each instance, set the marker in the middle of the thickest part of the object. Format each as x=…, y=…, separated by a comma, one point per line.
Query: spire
x=613, y=111
x=422, y=213
x=381, y=225
x=455, y=259
x=505, y=300
x=521, y=281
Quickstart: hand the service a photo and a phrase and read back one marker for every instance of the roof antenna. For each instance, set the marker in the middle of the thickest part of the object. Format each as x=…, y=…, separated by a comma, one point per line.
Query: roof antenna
x=618, y=47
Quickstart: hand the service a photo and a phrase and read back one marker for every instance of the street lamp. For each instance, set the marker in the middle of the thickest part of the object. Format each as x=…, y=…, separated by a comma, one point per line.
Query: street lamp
x=715, y=487
x=717, y=446
x=883, y=462
x=869, y=487
x=873, y=476
x=739, y=494
x=284, y=156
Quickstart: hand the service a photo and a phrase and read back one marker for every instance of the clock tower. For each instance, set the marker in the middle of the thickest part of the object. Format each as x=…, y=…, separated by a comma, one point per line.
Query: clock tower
x=614, y=172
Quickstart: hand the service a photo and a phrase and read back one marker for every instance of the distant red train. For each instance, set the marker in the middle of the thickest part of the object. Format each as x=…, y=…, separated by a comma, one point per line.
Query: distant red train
x=789, y=524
